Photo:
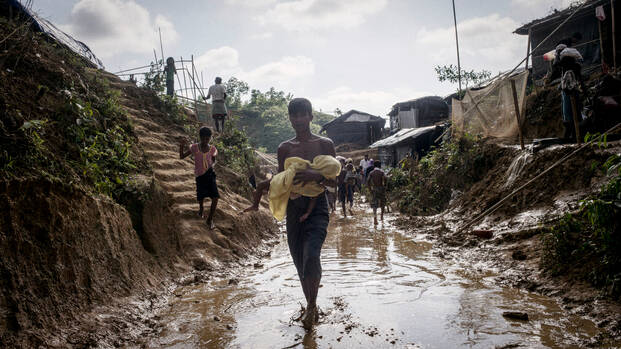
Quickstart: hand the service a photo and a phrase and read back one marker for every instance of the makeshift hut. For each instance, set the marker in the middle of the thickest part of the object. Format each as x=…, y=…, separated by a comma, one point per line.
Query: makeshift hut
x=355, y=127
x=597, y=36
x=412, y=141
x=420, y=112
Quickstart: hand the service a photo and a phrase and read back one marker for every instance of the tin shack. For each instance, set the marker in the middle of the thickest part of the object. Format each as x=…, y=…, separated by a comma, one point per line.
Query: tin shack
x=355, y=127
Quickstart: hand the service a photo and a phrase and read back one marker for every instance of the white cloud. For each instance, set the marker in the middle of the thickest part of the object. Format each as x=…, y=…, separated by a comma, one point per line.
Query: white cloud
x=251, y=3
x=303, y=15
x=262, y=36
x=373, y=102
x=112, y=27
x=532, y=9
x=224, y=62
x=484, y=42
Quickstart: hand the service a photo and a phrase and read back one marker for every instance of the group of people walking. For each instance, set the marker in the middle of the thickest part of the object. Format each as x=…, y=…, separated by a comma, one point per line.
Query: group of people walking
x=368, y=175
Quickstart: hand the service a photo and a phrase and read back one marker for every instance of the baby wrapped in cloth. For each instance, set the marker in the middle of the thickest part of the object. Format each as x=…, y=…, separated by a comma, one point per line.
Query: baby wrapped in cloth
x=282, y=186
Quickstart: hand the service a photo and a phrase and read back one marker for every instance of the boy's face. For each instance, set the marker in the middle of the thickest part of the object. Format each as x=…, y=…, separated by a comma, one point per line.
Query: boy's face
x=300, y=121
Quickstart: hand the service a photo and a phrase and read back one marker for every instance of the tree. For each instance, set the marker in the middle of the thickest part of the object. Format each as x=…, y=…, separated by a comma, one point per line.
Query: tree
x=450, y=73
x=235, y=89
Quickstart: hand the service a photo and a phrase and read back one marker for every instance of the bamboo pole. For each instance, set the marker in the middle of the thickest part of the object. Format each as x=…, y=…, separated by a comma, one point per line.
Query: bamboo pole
x=614, y=35
x=457, y=43
x=527, y=49
x=517, y=113
x=185, y=84
x=574, y=112
x=193, y=91
x=161, y=46
x=601, y=44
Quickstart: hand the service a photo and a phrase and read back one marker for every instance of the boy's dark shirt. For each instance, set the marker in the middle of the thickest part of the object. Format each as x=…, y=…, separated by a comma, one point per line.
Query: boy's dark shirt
x=376, y=177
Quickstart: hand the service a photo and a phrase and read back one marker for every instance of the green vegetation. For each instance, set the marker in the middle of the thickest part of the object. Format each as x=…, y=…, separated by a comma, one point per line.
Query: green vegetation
x=425, y=187
x=587, y=243
x=264, y=116
x=66, y=124
x=450, y=73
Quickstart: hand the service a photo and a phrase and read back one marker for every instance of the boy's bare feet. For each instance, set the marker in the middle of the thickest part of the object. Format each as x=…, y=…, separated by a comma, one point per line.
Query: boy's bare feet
x=309, y=318
x=211, y=225
x=251, y=208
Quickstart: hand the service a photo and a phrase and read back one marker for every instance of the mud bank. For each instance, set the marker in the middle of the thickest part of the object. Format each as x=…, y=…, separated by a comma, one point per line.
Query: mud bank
x=509, y=242
x=97, y=213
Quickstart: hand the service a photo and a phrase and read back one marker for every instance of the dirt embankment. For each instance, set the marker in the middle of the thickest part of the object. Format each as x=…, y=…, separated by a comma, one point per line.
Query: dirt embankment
x=509, y=241
x=93, y=227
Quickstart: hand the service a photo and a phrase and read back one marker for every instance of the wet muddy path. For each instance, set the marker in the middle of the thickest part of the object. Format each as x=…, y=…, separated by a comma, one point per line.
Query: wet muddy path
x=381, y=288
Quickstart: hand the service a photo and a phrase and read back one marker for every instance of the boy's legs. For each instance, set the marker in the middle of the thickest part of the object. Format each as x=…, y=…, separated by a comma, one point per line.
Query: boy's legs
x=212, y=210
x=200, y=207
x=305, y=241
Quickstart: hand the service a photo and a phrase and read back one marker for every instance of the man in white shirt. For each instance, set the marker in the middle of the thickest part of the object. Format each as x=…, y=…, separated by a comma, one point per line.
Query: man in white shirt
x=365, y=163
x=218, y=109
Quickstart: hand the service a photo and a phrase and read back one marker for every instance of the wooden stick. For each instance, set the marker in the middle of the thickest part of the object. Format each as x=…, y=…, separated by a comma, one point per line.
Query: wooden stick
x=485, y=122
x=574, y=110
x=614, y=36
x=601, y=43
x=185, y=84
x=527, y=49
x=517, y=113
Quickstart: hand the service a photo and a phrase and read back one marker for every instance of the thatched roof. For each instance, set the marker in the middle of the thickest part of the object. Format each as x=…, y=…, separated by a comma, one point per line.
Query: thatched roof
x=557, y=16
x=355, y=116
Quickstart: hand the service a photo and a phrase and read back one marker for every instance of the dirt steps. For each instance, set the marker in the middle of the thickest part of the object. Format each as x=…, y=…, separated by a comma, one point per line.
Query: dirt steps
x=235, y=232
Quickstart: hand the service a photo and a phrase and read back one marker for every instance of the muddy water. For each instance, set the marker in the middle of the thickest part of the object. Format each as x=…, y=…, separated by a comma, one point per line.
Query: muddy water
x=381, y=288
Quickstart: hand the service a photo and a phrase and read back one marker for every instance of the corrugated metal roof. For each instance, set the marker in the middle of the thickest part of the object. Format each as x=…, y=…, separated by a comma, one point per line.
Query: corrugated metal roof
x=402, y=135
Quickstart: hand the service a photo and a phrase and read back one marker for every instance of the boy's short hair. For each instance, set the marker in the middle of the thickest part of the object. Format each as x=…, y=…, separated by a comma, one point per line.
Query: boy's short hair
x=218, y=80
x=377, y=163
x=300, y=106
x=204, y=132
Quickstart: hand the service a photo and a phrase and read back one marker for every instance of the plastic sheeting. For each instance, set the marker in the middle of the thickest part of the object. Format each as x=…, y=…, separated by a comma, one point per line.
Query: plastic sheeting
x=494, y=116
x=42, y=25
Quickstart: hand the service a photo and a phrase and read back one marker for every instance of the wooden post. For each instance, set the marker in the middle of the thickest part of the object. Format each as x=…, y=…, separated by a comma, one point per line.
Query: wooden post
x=601, y=44
x=528, y=50
x=576, y=122
x=517, y=112
x=185, y=84
x=193, y=91
x=614, y=35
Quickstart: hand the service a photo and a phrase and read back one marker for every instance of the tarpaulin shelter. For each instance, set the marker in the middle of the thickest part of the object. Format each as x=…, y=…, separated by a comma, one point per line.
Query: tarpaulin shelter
x=420, y=112
x=407, y=141
x=490, y=111
x=38, y=24
x=355, y=127
x=583, y=22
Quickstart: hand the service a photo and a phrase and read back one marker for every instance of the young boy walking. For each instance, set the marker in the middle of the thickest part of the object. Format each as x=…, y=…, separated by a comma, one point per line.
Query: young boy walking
x=377, y=186
x=307, y=218
x=204, y=159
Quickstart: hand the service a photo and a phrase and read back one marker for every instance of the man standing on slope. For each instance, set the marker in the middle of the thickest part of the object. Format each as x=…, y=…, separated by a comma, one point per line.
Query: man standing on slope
x=218, y=109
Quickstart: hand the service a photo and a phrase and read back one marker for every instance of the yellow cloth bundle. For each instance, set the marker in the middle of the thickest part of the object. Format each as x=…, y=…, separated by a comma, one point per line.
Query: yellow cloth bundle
x=281, y=185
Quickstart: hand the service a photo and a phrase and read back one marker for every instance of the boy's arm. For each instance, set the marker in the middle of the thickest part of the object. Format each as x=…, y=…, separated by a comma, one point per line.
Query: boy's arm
x=184, y=150
x=256, y=197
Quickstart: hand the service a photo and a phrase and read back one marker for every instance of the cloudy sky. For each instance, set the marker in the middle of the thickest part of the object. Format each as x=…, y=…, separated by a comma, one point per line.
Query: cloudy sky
x=347, y=54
